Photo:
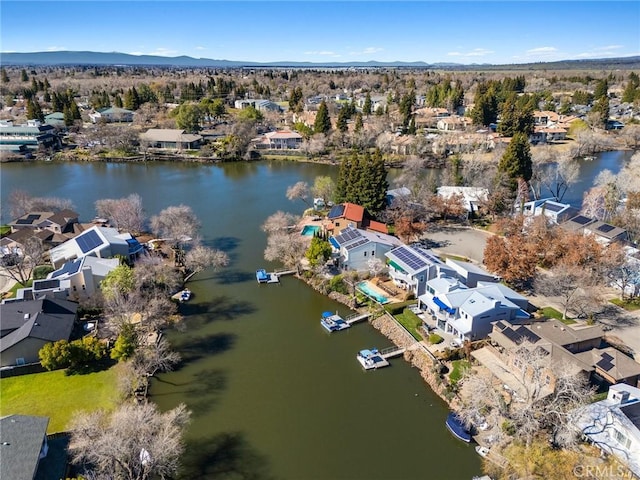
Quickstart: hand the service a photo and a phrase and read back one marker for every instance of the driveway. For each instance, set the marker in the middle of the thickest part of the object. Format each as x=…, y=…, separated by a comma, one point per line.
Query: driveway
x=457, y=240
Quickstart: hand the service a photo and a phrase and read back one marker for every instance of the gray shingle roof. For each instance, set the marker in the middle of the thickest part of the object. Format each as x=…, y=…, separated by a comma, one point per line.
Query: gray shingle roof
x=21, y=438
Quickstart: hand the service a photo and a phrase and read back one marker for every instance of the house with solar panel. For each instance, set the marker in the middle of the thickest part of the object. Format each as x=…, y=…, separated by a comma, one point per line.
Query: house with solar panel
x=354, y=248
x=101, y=242
x=613, y=425
x=29, y=136
x=351, y=215
x=56, y=222
x=411, y=268
x=556, y=212
x=76, y=280
x=603, y=232
x=30, y=324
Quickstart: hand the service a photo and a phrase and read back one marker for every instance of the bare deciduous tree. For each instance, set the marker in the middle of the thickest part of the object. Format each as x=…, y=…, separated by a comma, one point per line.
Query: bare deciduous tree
x=201, y=257
x=19, y=265
x=125, y=214
x=21, y=202
x=177, y=224
x=288, y=248
x=279, y=221
x=301, y=191
x=135, y=442
x=565, y=282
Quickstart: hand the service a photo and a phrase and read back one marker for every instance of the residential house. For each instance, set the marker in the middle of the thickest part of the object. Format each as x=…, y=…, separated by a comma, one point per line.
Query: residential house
x=29, y=136
x=171, y=139
x=111, y=115
x=468, y=313
x=411, y=268
x=614, y=125
x=469, y=273
x=101, y=242
x=613, y=424
x=56, y=222
x=23, y=443
x=547, y=134
x=355, y=248
x=279, y=140
x=472, y=197
x=611, y=366
x=504, y=357
x=76, y=280
x=55, y=119
x=28, y=325
x=453, y=123
x=349, y=214
x=259, y=104
x=575, y=340
x=397, y=193
x=603, y=232
x=555, y=211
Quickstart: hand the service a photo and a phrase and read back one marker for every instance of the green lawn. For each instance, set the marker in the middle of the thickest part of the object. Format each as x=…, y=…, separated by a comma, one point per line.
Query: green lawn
x=459, y=366
x=551, y=312
x=17, y=286
x=411, y=322
x=57, y=396
x=5, y=230
x=629, y=305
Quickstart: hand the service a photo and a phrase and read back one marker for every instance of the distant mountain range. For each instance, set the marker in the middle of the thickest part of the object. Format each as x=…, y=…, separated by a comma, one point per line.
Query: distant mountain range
x=125, y=59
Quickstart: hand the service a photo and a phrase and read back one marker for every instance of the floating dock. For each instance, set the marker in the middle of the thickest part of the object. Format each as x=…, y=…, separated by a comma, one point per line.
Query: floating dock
x=333, y=322
x=262, y=276
x=373, y=359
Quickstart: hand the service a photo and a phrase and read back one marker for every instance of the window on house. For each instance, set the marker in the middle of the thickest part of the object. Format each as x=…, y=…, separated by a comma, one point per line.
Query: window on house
x=75, y=289
x=365, y=253
x=337, y=224
x=83, y=287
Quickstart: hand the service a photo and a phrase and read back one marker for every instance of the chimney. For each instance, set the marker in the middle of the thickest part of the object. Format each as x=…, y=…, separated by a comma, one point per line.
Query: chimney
x=620, y=396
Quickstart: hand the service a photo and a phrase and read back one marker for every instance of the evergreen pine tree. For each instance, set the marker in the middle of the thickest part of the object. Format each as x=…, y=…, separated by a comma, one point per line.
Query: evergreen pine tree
x=516, y=161
x=322, y=123
x=601, y=90
x=358, y=125
x=75, y=111
x=68, y=116
x=341, y=123
x=117, y=101
x=4, y=78
x=340, y=193
x=23, y=75
x=31, y=110
x=366, y=108
x=630, y=93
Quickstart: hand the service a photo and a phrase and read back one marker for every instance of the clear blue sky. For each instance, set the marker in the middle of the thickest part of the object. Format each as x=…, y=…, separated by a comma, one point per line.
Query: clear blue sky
x=298, y=30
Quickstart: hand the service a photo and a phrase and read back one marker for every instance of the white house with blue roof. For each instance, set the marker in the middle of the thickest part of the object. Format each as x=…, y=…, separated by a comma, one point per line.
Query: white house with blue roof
x=101, y=242
x=411, y=268
x=355, y=248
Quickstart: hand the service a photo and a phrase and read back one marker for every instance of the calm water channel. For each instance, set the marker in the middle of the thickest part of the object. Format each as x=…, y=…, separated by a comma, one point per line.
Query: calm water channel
x=273, y=396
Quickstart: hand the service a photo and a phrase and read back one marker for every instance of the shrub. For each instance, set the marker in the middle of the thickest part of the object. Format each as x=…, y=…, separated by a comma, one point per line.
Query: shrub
x=336, y=284
x=41, y=271
x=126, y=343
x=397, y=308
x=434, y=339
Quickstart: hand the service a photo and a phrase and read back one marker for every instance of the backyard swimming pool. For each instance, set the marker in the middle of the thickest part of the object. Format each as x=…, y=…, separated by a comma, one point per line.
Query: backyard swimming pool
x=365, y=288
x=310, y=230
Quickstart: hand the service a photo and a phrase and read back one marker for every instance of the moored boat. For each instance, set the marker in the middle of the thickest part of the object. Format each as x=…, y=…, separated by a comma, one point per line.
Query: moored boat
x=457, y=428
x=332, y=322
x=371, y=359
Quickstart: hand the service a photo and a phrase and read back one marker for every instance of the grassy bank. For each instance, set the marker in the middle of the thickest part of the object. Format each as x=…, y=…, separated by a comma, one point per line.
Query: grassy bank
x=57, y=396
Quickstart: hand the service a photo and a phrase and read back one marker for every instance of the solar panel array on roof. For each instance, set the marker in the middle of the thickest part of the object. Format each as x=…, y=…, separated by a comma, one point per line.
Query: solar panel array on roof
x=605, y=364
x=336, y=211
x=357, y=243
x=604, y=228
x=46, y=284
x=88, y=241
x=607, y=356
x=581, y=220
x=553, y=207
x=347, y=235
x=409, y=258
x=516, y=336
x=29, y=220
x=68, y=268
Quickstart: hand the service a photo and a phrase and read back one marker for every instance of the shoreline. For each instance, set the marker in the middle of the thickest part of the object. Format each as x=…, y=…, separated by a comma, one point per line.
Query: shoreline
x=428, y=366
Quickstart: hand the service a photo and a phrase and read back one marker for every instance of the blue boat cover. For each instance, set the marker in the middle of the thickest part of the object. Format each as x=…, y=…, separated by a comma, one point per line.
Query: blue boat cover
x=326, y=314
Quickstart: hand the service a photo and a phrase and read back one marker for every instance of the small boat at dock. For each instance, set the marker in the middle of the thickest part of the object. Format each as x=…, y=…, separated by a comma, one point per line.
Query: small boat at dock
x=457, y=428
x=332, y=322
x=263, y=277
x=371, y=359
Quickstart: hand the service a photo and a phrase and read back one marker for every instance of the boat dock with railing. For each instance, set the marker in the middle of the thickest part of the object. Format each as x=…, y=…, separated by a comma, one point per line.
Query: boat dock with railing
x=374, y=358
